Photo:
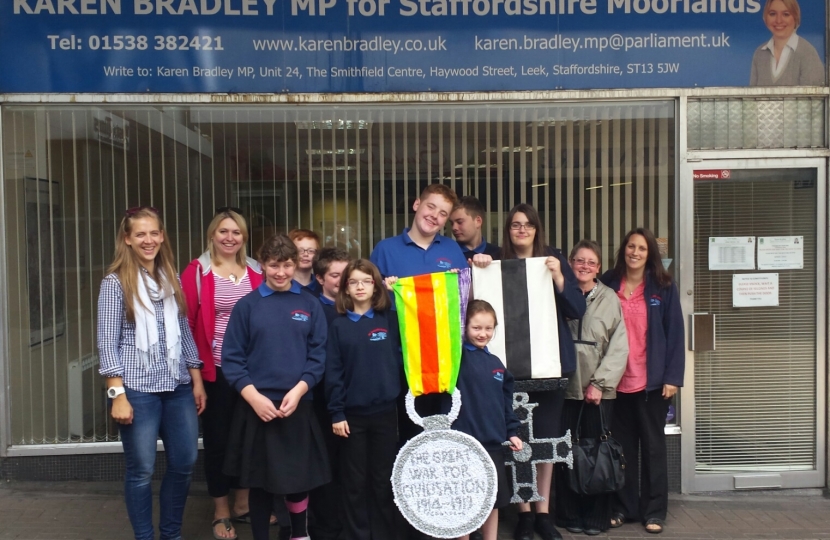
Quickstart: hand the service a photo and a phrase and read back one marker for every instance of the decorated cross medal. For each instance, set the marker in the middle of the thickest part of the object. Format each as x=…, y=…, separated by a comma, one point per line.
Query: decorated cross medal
x=444, y=481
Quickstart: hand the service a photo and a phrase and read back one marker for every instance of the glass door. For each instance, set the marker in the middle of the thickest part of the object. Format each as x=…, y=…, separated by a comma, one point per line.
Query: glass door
x=758, y=276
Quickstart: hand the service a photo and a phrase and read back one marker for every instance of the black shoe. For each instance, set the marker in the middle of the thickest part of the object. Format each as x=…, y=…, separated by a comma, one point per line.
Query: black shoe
x=476, y=535
x=575, y=529
x=524, y=528
x=544, y=527
x=592, y=532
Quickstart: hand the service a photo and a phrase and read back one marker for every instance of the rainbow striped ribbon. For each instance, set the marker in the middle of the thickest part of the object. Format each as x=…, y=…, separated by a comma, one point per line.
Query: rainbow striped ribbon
x=429, y=315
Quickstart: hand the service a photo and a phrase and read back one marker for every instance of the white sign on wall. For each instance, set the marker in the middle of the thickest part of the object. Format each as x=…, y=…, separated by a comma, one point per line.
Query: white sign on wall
x=731, y=253
x=780, y=253
x=754, y=290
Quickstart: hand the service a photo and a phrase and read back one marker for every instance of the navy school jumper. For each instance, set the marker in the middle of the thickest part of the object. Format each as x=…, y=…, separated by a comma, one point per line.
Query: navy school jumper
x=363, y=364
x=486, y=399
x=274, y=340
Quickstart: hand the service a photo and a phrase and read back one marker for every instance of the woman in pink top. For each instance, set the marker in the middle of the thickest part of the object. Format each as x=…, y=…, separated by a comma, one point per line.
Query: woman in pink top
x=212, y=285
x=656, y=362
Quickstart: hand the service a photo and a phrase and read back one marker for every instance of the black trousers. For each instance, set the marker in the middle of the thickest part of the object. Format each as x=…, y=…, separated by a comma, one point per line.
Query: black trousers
x=366, y=460
x=640, y=421
x=216, y=423
x=325, y=503
x=572, y=509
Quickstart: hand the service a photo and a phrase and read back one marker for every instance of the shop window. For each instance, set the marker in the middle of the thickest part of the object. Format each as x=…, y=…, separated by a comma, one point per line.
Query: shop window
x=593, y=170
x=738, y=123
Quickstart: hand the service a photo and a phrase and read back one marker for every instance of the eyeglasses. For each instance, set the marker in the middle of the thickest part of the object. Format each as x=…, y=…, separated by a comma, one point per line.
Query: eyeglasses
x=307, y=251
x=356, y=283
x=224, y=209
x=585, y=262
x=516, y=226
x=136, y=209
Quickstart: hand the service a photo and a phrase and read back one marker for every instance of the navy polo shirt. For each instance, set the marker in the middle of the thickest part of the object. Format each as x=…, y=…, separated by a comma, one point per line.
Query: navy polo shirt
x=329, y=309
x=486, y=248
x=265, y=291
x=313, y=286
x=400, y=256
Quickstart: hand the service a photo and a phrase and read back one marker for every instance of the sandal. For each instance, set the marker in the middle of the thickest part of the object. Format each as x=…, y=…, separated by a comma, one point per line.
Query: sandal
x=228, y=528
x=242, y=518
x=617, y=520
x=655, y=522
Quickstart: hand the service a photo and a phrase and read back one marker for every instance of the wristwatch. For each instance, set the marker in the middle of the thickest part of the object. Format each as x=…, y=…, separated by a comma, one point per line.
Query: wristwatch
x=115, y=391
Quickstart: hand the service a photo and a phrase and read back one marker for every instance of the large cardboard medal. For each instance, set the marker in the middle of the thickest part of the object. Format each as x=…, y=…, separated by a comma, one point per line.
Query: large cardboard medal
x=444, y=481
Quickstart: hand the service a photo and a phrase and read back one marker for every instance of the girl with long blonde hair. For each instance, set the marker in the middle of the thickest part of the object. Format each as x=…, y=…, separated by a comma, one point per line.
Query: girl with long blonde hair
x=151, y=365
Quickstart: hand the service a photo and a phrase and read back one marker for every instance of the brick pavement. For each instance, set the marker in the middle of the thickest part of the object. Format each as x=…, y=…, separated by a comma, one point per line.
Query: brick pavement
x=95, y=511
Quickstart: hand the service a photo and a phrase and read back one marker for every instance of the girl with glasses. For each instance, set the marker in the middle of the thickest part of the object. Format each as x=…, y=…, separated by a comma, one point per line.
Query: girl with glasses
x=363, y=381
x=308, y=244
x=524, y=238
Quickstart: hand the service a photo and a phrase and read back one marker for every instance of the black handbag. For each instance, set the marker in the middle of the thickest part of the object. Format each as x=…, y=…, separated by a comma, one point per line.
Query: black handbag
x=598, y=463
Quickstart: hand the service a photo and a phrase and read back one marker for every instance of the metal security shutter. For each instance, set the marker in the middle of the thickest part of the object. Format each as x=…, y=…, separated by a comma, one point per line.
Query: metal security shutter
x=755, y=395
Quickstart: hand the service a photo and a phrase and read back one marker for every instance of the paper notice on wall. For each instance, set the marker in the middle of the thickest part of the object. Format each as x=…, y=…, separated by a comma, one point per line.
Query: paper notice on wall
x=754, y=290
x=780, y=252
x=731, y=253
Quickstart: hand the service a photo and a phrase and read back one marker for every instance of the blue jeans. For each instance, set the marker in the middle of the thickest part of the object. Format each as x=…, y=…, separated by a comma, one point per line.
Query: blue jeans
x=172, y=416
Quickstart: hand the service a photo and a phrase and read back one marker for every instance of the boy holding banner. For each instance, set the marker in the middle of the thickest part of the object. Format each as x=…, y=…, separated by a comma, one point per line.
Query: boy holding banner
x=420, y=249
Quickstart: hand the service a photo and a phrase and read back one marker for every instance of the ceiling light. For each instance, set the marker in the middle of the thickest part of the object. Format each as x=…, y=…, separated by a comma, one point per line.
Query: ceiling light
x=514, y=149
x=474, y=166
x=338, y=152
x=335, y=168
x=334, y=124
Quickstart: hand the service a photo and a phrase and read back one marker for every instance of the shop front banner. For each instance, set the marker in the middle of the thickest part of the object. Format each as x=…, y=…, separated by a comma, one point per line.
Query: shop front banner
x=272, y=46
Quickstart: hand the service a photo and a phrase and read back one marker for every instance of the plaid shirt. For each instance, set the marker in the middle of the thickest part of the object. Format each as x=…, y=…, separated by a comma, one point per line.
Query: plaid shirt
x=116, y=344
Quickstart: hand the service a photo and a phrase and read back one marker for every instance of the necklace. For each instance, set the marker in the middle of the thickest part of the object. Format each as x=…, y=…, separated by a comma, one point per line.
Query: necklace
x=592, y=292
x=234, y=279
x=630, y=290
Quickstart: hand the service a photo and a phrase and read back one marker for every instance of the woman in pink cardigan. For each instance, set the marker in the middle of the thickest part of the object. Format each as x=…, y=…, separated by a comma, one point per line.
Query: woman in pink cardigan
x=212, y=285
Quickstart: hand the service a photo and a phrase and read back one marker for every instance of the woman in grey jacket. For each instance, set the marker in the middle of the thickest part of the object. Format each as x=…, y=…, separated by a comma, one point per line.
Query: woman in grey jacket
x=601, y=356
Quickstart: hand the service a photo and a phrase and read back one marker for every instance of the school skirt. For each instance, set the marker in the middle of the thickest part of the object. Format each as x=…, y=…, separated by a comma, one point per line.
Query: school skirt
x=283, y=456
x=547, y=417
x=505, y=484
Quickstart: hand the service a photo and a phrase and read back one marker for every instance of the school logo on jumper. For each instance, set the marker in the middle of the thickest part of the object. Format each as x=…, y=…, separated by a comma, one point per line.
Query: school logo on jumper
x=300, y=315
x=498, y=374
x=378, y=334
x=655, y=300
x=444, y=263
